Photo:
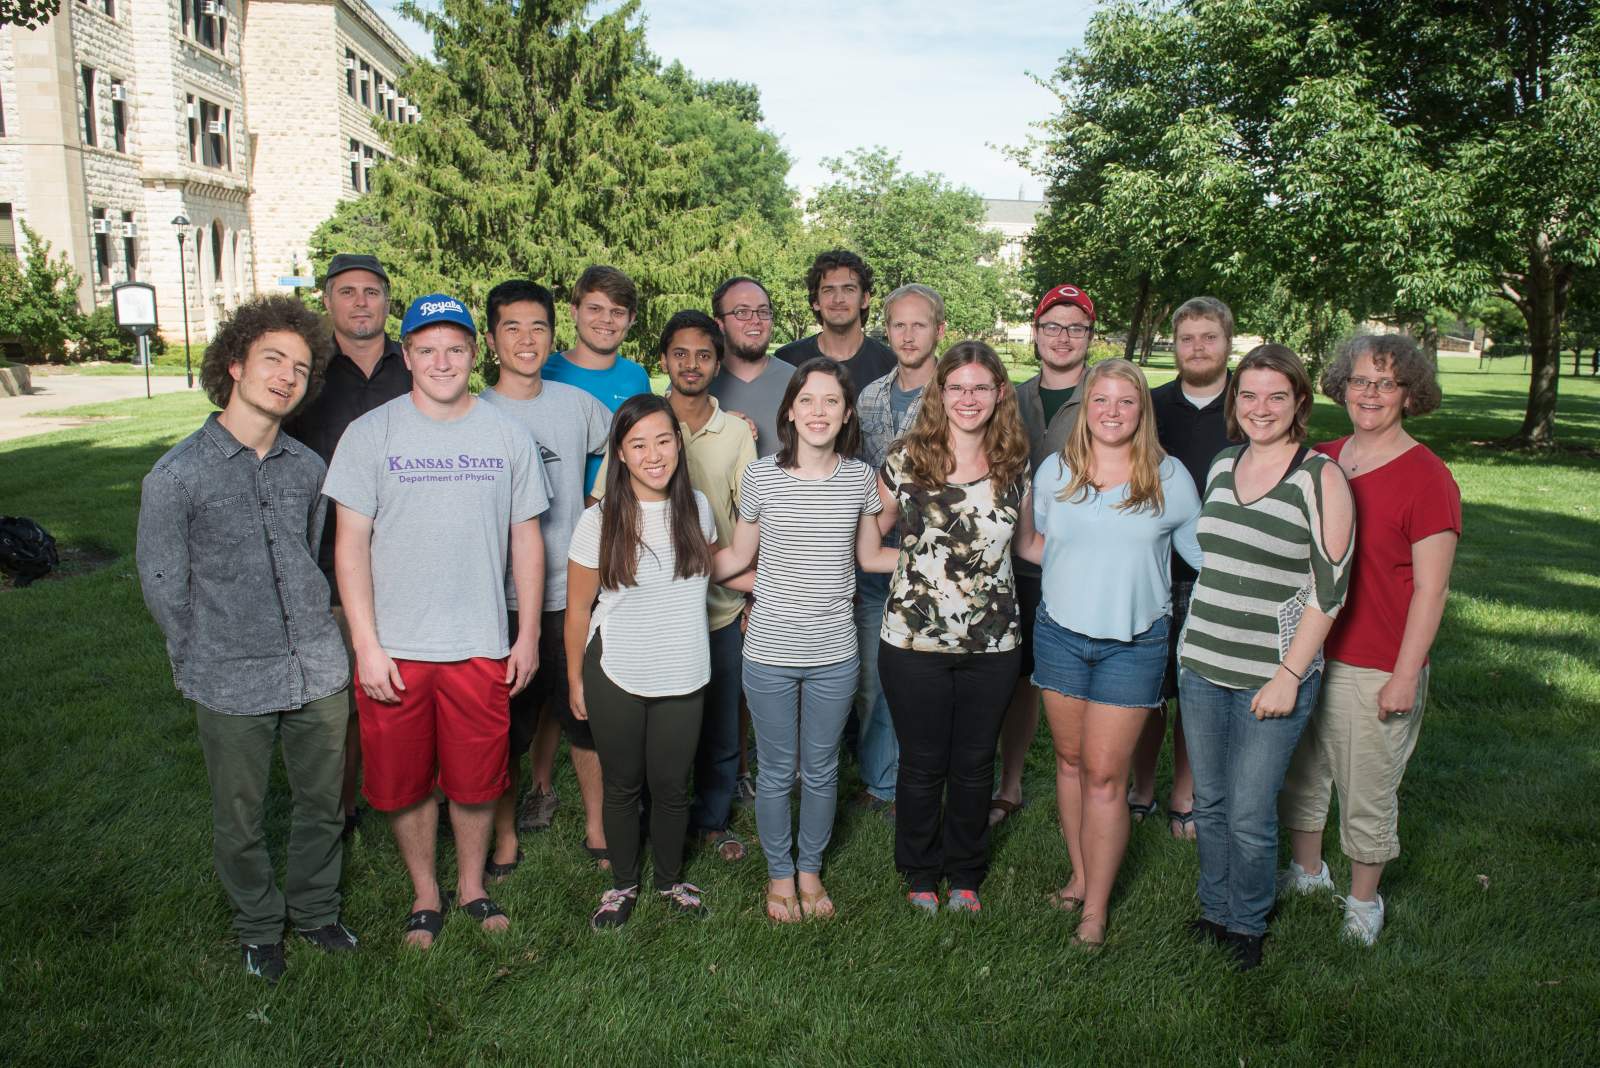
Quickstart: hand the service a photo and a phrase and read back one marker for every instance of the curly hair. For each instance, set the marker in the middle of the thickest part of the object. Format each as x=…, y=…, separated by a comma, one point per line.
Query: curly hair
x=929, y=458
x=248, y=323
x=832, y=260
x=1270, y=357
x=848, y=443
x=1077, y=452
x=1395, y=353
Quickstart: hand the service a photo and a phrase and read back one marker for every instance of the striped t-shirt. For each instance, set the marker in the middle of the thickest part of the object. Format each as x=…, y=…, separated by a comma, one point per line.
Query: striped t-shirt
x=653, y=633
x=1264, y=562
x=806, y=563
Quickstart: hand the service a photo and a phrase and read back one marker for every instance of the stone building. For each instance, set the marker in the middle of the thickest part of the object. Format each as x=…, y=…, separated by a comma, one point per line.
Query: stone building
x=242, y=116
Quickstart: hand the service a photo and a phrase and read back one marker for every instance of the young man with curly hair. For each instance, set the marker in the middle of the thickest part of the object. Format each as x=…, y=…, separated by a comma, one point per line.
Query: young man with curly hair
x=229, y=524
x=839, y=285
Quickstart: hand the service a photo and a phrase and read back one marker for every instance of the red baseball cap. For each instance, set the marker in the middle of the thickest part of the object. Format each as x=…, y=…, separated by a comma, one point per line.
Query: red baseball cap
x=1065, y=295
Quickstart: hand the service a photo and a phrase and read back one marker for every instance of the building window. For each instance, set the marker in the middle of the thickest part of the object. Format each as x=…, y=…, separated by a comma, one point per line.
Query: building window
x=216, y=253
x=210, y=134
x=109, y=7
x=205, y=22
x=119, y=114
x=8, y=232
x=349, y=74
x=192, y=110
x=2, y=114
x=367, y=160
x=388, y=101
x=102, y=247
x=366, y=85
x=355, y=164
x=88, y=116
x=130, y=247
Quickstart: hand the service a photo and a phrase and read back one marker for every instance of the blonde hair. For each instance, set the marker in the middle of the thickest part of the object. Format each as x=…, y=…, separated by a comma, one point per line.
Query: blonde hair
x=929, y=458
x=1144, y=482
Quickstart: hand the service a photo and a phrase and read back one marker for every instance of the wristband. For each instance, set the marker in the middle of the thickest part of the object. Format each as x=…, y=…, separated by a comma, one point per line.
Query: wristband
x=1299, y=677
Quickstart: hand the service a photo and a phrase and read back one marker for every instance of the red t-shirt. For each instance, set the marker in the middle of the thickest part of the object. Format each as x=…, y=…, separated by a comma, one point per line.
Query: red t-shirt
x=1411, y=497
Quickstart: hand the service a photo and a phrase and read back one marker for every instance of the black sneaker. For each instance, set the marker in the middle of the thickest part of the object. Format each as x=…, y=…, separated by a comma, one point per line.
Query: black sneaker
x=264, y=960
x=615, y=908
x=1246, y=950
x=1203, y=930
x=684, y=898
x=334, y=937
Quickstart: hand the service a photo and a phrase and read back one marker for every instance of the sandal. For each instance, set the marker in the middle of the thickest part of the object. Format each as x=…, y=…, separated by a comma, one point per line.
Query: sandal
x=428, y=921
x=1185, y=831
x=497, y=872
x=598, y=854
x=1005, y=808
x=1060, y=899
x=817, y=906
x=729, y=846
x=482, y=910
x=1089, y=945
x=789, y=906
x=1141, y=812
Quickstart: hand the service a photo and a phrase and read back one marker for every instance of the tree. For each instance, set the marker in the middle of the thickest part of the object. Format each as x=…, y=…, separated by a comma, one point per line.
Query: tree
x=1388, y=158
x=28, y=14
x=917, y=228
x=546, y=145
x=39, y=300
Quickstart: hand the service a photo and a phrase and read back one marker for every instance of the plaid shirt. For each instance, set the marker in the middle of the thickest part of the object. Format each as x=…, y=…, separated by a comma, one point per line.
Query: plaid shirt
x=878, y=426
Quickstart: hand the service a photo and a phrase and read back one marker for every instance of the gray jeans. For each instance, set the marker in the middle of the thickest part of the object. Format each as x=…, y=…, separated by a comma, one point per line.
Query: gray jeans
x=799, y=715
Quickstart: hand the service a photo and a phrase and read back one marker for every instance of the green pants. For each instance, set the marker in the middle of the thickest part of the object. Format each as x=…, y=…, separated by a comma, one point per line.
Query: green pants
x=238, y=751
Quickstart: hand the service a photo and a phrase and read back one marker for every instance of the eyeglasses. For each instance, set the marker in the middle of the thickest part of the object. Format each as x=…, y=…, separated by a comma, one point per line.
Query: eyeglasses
x=1361, y=384
x=744, y=315
x=1073, y=330
x=951, y=389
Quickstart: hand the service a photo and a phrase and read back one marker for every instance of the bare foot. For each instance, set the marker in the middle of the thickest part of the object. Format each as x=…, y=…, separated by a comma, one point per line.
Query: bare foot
x=1091, y=933
x=1069, y=898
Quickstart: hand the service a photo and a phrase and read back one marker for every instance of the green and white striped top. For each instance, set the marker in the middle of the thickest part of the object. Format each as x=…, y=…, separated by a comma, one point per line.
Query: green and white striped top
x=1264, y=562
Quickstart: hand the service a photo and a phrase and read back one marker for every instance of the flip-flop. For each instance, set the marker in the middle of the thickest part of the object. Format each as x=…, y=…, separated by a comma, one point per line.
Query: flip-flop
x=725, y=842
x=429, y=921
x=1141, y=812
x=1064, y=902
x=818, y=906
x=1184, y=820
x=498, y=872
x=483, y=909
x=1005, y=807
x=598, y=854
x=789, y=905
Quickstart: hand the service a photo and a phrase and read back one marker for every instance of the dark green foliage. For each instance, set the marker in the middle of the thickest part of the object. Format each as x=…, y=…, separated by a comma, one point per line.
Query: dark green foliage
x=28, y=14
x=101, y=340
x=39, y=300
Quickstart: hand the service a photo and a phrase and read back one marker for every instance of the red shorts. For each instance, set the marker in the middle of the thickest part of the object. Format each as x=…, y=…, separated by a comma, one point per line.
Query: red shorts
x=449, y=728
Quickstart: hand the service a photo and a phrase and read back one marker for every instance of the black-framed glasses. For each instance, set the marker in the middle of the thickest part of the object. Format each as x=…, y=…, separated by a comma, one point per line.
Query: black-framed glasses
x=1361, y=383
x=1073, y=330
x=745, y=314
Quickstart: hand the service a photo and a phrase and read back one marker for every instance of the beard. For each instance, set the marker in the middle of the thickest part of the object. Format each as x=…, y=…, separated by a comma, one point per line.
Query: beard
x=744, y=350
x=1202, y=378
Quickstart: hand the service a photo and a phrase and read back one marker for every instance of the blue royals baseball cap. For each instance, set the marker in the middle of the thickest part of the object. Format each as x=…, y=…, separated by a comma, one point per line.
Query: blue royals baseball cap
x=433, y=309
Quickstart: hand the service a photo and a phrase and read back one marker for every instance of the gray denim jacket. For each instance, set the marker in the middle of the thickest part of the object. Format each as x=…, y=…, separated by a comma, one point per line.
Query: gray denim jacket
x=227, y=557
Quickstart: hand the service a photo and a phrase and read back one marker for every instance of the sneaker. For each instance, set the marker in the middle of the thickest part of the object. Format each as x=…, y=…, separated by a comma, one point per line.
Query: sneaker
x=926, y=900
x=744, y=791
x=1363, y=920
x=537, y=811
x=1203, y=930
x=963, y=901
x=1246, y=950
x=265, y=960
x=615, y=908
x=684, y=898
x=1296, y=880
x=333, y=937
x=352, y=823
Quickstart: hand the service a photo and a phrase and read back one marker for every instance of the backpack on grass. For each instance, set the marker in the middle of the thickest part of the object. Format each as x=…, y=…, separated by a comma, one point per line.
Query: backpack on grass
x=27, y=551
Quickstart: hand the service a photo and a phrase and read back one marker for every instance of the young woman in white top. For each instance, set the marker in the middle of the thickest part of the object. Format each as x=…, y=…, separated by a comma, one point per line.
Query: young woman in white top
x=809, y=511
x=1108, y=510
x=638, y=662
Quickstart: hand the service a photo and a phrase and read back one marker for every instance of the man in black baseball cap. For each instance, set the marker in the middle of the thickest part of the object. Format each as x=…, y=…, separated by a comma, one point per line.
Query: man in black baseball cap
x=367, y=369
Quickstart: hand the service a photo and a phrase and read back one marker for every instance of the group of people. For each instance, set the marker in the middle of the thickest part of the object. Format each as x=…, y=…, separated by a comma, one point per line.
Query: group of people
x=858, y=545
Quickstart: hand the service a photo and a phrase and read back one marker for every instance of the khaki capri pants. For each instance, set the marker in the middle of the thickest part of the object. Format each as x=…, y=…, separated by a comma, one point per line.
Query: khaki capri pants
x=1347, y=747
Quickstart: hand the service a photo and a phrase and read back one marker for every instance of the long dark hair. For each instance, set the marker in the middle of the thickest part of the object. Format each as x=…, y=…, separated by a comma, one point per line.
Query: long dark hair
x=620, y=541
x=848, y=443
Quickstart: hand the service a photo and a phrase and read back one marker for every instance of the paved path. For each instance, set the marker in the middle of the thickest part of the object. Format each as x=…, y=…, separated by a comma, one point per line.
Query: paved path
x=20, y=416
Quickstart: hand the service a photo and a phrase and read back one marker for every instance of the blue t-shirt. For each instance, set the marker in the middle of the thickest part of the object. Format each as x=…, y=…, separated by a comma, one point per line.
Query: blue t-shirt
x=1108, y=571
x=623, y=379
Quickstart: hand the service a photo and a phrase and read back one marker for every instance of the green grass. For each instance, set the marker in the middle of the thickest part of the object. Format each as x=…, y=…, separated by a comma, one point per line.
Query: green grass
x=114, y=942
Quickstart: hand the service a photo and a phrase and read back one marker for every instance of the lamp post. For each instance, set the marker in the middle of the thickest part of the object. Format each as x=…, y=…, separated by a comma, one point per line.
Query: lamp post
x=182, y=223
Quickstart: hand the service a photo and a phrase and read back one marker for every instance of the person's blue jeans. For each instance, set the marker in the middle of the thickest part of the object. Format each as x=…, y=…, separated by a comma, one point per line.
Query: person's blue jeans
x=877, y=748
x=716, y=762
x=1239, y=764
x=799, y=715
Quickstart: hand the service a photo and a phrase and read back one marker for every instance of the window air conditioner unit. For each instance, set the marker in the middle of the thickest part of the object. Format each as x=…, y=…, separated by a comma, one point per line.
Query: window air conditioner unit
x=215, y=8
x=215, y=126
x=100, y=226
x=355, y=157
x=402, y=103
x=130, y=229
x=349, y=62
x=193, y=111
x=119, y=92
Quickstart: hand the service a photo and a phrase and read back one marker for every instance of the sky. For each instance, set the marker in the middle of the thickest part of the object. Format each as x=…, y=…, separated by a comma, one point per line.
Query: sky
x=945, y=85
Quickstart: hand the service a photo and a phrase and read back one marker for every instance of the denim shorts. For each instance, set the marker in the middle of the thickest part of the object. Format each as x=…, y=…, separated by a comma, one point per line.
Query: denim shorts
x=1103, y=671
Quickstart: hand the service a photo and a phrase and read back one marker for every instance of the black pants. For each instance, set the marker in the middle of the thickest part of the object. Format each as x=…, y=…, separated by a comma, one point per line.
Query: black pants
x=639, y=740
x=947, y=710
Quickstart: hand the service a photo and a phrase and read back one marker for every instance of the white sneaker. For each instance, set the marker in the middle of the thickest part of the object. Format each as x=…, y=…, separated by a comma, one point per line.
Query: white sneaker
x=1362, y=919
x=1296, y=880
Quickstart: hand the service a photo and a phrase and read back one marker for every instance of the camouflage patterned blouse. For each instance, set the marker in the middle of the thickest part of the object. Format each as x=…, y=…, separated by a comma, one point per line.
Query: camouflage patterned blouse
x=953, y=590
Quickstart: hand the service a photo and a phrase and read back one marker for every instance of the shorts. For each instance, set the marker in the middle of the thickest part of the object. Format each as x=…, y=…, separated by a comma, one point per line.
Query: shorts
x=1030, y=595
x=1102, y=671
x=548, y=690
x=448, y=729
x=1181, y=593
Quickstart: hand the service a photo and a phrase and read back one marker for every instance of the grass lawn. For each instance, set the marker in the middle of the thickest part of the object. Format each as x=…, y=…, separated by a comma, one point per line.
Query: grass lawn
x=115, y=945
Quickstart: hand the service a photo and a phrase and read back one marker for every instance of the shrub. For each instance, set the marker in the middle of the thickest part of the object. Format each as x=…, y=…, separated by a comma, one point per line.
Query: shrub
x=100, y=339
x=39, y=301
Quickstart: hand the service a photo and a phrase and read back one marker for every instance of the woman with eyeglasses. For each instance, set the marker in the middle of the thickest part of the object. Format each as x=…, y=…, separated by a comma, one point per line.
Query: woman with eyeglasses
x=950, y=645
x=1370, y=711
x=1277, y=528
x=1108, y=510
